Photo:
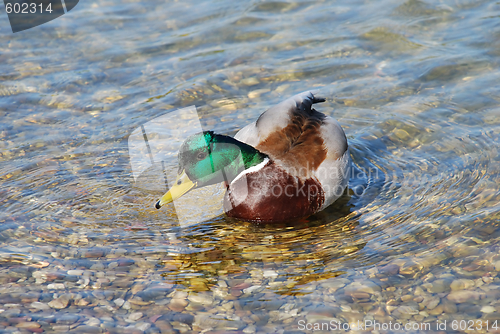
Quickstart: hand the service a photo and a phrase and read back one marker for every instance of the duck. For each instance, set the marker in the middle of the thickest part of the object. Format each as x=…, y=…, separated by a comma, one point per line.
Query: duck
x=290, y=163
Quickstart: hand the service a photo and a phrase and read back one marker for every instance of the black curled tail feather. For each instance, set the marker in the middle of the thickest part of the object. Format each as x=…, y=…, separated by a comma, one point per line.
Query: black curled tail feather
x=306, y=103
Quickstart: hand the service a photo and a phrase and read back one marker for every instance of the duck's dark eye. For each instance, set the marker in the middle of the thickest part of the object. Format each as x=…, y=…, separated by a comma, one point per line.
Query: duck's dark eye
x=201, y=155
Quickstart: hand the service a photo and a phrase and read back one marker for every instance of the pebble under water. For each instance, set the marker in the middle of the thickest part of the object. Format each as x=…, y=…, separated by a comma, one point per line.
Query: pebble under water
x=414, y=242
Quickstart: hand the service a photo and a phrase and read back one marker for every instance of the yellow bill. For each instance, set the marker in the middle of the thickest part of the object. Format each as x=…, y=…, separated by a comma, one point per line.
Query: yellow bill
x=181, y=186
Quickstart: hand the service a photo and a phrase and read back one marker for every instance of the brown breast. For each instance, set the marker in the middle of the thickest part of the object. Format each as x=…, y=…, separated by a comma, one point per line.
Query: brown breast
x=272, y=195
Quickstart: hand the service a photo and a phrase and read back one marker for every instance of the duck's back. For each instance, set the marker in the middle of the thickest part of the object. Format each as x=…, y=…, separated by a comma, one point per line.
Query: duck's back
x=306, y=145
x=295, y=135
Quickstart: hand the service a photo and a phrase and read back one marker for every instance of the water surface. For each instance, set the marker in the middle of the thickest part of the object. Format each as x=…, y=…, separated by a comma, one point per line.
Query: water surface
x=414, y=85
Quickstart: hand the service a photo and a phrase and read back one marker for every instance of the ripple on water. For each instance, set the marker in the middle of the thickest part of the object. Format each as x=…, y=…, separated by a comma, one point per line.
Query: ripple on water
x=82, y=238
x=415, y=238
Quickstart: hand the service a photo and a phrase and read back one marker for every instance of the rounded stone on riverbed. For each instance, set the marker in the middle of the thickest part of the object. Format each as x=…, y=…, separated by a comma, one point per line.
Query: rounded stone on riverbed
x=61, y=302
x=334, y=285
x=463, y=296
x=134, y=316
x=67, y=319
x=201, y=298
x=437, y=310
x=86, y=329
x=449, y=307
x=56, y=286
x=29, y=325
x=361, y=290
x=488, y=309
x=119, y=302
x=249, y=329
x=461, y=284
x=75, y=272
x=164, y=326
x=439, y=286
x=178, y=305
x=432, y=302
x=40, y=306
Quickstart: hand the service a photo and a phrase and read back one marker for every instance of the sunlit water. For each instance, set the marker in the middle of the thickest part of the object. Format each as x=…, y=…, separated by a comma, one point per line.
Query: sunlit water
x=416, y=239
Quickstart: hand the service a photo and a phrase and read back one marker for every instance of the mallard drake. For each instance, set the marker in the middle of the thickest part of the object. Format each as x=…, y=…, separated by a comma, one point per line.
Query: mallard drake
x=292, y=162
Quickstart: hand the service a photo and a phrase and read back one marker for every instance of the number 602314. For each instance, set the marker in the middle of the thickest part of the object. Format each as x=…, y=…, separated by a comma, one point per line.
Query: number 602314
x=27, y=8
x=472, y=325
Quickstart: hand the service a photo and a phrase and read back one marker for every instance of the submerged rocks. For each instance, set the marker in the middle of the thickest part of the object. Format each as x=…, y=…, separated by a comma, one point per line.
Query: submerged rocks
x=84, y=251
x=439, y=286
x=462, y=284
x=40, y=306
x=201, y=298
x=178, y=305
x=61, y=302
x=488, y=309
x=463, y=296
x=361, y=290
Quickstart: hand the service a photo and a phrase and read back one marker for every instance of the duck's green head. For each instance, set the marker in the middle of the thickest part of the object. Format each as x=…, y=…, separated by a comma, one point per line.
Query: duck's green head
x=207, y=158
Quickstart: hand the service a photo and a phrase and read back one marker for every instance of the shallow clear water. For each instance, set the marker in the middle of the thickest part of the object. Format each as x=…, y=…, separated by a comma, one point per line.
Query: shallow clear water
x=414, y=85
